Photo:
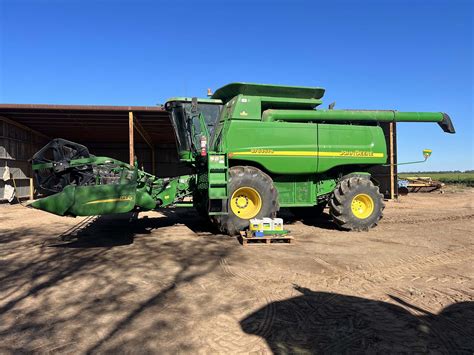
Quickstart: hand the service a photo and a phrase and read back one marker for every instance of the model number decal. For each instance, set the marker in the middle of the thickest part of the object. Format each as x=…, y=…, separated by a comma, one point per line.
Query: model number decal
x=126, y=198
x=262, y=151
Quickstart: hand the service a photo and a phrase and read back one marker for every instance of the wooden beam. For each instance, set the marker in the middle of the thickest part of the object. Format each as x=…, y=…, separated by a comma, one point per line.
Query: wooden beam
x=392, y=175
x=146, y=137
x=19, y=125
x=131, y=144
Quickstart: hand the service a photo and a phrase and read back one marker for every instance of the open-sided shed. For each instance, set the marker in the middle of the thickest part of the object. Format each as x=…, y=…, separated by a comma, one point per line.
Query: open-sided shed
x=121, y=132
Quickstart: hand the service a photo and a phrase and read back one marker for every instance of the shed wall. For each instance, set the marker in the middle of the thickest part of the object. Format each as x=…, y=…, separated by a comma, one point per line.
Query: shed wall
x=17, y=145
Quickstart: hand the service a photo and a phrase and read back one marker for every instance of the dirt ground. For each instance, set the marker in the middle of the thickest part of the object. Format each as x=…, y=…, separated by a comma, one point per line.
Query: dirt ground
x=163, y=283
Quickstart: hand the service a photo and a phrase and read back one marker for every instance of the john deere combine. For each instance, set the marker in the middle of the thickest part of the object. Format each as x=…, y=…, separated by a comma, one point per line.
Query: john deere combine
x=253, y=149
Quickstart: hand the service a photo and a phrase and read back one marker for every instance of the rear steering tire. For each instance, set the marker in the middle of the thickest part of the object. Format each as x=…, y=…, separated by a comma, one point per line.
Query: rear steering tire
x=251, y=195
x=356, y=204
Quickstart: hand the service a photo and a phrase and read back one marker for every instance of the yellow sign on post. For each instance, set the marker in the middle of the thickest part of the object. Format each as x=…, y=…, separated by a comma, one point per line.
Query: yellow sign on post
x=427, y=153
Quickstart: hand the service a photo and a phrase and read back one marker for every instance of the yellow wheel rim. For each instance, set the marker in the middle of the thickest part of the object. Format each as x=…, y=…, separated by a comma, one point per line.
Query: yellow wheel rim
x=245, y=202
x=362, y=206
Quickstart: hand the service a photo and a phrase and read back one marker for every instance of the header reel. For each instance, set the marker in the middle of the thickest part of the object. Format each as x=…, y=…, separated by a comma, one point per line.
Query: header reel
x=54, y=173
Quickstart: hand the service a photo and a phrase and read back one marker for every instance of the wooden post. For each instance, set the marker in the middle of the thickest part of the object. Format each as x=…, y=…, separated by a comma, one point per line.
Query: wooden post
x=131, y=145
x=153, y=160
x=32, y=189
x=392, y=177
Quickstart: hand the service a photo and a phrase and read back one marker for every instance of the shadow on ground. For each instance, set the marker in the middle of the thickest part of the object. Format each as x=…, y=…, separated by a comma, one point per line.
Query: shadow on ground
x=322, y=220
x=320, y=322
x=121, y=229
x=88, y=288
x=117, y=284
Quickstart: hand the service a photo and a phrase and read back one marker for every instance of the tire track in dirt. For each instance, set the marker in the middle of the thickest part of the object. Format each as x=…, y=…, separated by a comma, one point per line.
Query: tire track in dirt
x=269, y=306
x=383, y=277
x=376, y=280
x=234, y=340
x=383, y=273
x=378, y=277
x=395, y=220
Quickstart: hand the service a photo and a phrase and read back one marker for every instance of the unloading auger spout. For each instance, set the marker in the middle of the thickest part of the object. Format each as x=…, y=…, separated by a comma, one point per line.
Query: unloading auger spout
x=327, y=116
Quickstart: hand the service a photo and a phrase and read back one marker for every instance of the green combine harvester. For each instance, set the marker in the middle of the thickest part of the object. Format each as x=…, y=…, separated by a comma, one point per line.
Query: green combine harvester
x=253, y=149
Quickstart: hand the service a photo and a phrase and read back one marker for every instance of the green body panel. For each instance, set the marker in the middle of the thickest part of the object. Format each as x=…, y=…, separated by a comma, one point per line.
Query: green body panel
x=58, y=203
x=272, y=145
x=105, y=199
x=144, y=200
x=90, y=200
x=296, y=191
x=168, y=194
x=343, y=145
x=303, y=148
x=300, y=191
x=325, y=186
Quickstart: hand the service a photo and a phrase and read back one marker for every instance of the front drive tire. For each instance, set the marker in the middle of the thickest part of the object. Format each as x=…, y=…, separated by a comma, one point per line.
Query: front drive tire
x=356, y=204
x=251, y=195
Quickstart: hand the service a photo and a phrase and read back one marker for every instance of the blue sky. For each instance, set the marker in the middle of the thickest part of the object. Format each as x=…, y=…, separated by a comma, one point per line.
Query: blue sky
x=405, y=55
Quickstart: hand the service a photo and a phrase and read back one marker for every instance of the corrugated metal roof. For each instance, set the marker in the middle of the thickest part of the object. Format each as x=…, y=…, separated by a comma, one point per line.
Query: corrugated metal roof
x=81, y=107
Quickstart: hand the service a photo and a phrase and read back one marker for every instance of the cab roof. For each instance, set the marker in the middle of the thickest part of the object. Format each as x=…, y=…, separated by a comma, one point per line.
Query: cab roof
x=201, y=100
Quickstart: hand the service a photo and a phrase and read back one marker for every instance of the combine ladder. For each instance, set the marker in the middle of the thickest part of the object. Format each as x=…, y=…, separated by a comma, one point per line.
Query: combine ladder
x=218, y=188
